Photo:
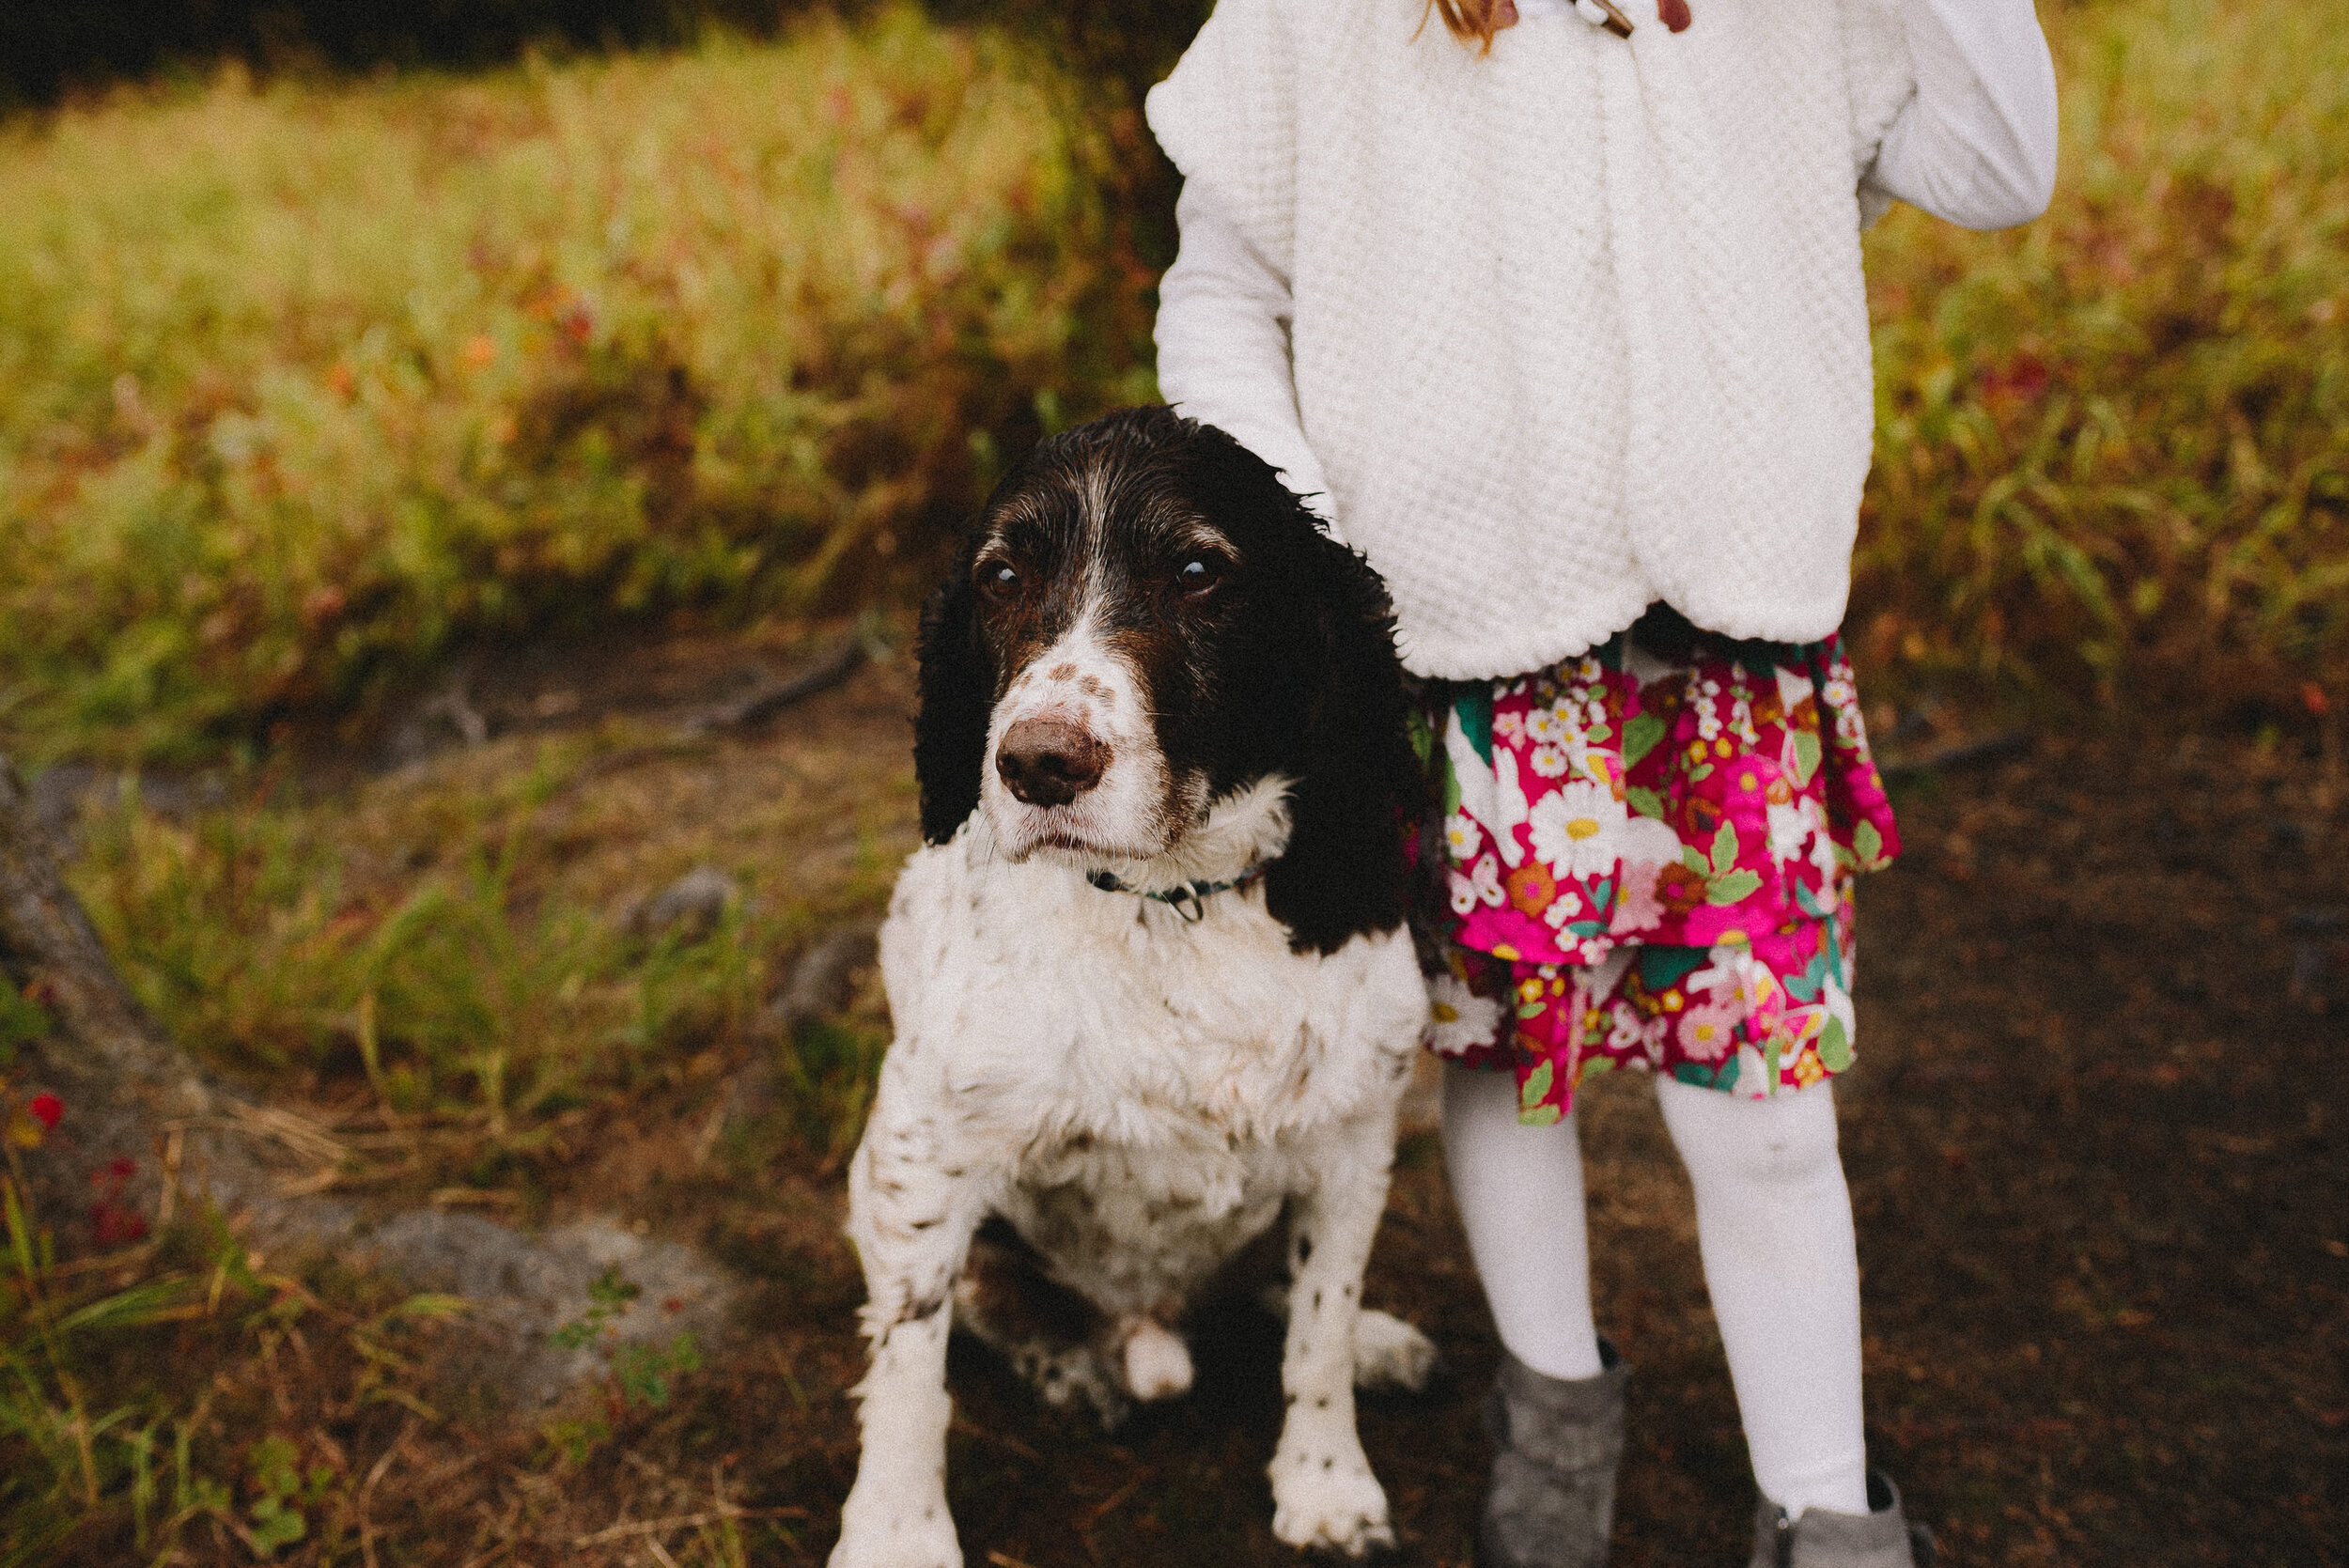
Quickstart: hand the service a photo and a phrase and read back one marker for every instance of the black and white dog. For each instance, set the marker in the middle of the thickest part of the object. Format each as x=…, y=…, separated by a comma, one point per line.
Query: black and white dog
x=1150, y=978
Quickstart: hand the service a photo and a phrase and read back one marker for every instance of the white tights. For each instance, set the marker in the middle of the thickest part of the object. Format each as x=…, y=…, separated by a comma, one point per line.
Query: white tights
x=1774, y=1228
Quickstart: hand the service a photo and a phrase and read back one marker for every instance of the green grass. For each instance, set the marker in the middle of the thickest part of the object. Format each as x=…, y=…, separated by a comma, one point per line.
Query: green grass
x=2113, y=451
x=146, y=1405
x=435, y=967
x=237, y=930
x=421, y=955
x=303, y=382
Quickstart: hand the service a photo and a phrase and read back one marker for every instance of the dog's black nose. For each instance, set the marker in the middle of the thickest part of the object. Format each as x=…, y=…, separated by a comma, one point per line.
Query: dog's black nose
x=1050, y=761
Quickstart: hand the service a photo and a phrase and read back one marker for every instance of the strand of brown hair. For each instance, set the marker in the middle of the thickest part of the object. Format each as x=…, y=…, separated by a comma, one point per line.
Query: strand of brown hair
x=1471, y=21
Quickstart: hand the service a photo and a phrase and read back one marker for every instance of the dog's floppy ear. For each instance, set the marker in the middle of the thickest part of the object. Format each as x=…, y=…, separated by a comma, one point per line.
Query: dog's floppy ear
x=1357, y=782
x=958, y=690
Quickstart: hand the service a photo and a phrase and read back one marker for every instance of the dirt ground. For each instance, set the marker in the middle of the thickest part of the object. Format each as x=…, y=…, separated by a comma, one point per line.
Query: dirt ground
x=2094, y=1138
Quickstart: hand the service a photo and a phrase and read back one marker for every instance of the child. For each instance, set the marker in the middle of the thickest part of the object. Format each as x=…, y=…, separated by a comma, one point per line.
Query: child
x=1556, y=309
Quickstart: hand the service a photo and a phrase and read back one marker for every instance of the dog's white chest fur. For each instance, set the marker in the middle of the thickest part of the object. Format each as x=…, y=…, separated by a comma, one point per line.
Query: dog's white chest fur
x=1067, y=1009
x=1158, y=1082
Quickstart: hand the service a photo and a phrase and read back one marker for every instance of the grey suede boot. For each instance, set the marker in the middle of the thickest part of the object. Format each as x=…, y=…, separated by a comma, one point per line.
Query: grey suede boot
x=1556, y=1443
x=1822, y=1538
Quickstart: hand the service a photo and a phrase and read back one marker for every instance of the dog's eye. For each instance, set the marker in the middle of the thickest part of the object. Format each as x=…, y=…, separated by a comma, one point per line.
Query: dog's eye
x=998, y=578
x=1199, y=576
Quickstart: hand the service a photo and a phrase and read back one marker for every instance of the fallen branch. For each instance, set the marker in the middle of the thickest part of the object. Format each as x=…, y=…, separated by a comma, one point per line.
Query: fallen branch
x=970, y=1428
x=761, y=705
x=1959, y=753
x=683, y=1521
x=694, y=737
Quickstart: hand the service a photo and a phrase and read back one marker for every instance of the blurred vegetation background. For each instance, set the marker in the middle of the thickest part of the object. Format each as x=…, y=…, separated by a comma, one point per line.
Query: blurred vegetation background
x=75, y=46
x=305, y=382
x=2113, y=447
x=306, y=379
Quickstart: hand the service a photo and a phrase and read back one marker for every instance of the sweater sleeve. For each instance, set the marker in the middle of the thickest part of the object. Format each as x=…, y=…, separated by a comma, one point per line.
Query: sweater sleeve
x=1226, y=116
x=1223, y=346
x=1976, y=145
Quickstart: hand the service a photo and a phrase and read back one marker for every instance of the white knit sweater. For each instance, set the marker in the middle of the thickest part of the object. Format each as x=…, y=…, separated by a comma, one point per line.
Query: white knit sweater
x=1572, y=327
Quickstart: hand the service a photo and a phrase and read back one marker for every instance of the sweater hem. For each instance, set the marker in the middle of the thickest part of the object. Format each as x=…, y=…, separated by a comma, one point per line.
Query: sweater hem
x=1454, y=660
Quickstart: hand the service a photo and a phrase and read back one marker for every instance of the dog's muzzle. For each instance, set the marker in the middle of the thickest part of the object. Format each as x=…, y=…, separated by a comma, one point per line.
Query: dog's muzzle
x=1050, y=761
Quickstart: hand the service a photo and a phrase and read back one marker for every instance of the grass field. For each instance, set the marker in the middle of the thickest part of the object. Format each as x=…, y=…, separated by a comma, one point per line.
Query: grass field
x=2113, y=447
x=302, y=385
x=306, y=387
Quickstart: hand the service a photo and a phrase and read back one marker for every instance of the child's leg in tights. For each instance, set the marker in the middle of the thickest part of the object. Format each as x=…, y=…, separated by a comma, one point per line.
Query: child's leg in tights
x=1773, y=1222
x=1519, y=1192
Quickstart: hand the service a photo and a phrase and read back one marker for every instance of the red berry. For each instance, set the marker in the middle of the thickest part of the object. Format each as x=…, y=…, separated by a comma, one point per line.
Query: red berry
x=115, y=1225
x=46, y=1108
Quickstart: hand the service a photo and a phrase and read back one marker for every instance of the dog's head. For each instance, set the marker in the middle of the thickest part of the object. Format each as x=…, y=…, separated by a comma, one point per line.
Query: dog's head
x=1145, y=626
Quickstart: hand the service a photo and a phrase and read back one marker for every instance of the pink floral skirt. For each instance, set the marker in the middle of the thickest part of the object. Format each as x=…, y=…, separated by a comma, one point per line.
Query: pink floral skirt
x=1648, y=853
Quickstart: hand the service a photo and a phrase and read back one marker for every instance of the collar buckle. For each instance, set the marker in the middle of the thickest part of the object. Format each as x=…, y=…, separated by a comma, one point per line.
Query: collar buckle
x=1190, y=900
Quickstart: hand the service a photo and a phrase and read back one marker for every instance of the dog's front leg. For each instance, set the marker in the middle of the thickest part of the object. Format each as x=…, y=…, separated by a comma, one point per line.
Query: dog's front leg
x=916, y=1193
x=1323, y=1492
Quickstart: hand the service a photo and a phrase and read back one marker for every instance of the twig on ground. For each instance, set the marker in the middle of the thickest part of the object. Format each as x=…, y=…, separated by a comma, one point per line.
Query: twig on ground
x=682, y=1521
x=694, y=736
x=456, y=1466
x=825, y=674
x=1101, y=1510
x=983, y=1434
x=472, y=1197
x=1959, y=753
x=366, y=1489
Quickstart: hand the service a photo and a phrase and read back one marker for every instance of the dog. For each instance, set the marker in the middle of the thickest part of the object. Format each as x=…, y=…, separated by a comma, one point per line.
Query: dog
x=1149, y=974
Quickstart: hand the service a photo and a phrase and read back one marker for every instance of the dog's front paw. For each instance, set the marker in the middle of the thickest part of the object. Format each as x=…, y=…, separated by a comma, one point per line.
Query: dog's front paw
x=1389, y=1352
x=1328, y=1500
x=874, y=1534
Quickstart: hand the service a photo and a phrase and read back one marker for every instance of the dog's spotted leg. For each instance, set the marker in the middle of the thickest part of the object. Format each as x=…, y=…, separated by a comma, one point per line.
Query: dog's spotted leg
x=895, y=1515
x=916, y=1193
x=1323, y=1492
x=1389, y=1352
